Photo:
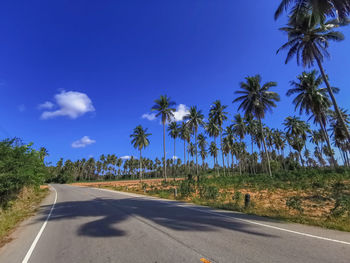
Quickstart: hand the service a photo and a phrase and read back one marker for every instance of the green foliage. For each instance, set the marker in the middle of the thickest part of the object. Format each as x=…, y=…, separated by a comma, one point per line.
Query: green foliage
x=342, y=200
x=295, y=202
x=209, y=192
x=20, y=165
x=187, y=188
x=237, y=197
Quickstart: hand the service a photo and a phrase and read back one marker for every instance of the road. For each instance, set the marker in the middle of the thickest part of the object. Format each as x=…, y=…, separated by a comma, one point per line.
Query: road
x=95, y=225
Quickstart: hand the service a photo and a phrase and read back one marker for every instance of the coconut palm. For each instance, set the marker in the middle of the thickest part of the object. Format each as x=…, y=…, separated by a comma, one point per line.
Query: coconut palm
x=164, y=108
x=202, y=144
x=194, y=121
x=139, y=139
x=318, y=8
x=312, y=99
x=309, y=41
x=257, y=99
x=218, y=115
x=296, y=131
x=174, y=131
x=213, y=151
x=185, y=135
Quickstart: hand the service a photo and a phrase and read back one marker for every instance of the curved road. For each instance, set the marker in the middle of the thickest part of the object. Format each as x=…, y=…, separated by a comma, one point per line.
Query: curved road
x=95, y=225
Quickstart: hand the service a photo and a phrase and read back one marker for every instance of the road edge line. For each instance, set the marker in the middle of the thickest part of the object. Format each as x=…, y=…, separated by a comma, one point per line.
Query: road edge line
x=32, y=247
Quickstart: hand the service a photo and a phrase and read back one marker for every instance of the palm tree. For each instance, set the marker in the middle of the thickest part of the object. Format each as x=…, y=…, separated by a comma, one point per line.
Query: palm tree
x=202, y=144
x=230, y=135
x=174, y=131
x=195, y=119
x=139, y=139
x=256, y=99
x=296, y=131
x=164, y=108
x=218, y=115
x=213, y=150
x=312, y=99
x=309, y=41
x=185, y=135
x=319, y=8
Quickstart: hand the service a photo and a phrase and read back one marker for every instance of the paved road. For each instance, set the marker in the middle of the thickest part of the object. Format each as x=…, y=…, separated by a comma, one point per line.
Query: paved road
x=92, y=225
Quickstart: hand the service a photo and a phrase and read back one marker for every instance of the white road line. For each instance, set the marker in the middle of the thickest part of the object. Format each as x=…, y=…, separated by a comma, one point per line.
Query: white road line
x=32, y=247
x=232, y=217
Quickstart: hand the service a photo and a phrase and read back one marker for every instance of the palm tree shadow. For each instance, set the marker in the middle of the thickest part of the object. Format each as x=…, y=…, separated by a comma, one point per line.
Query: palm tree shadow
x=101, y=217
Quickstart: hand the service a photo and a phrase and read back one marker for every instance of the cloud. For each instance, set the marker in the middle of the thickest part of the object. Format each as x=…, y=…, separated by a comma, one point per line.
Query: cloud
x=21, y=108
x=71, y=104
x=46, y=105
x=83, y=142
x=126, y=157
x=149, y=117
x=180, y=112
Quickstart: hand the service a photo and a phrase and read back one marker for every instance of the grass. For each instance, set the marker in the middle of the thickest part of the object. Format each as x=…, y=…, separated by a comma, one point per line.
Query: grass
x=17, y=210
x=306, y=197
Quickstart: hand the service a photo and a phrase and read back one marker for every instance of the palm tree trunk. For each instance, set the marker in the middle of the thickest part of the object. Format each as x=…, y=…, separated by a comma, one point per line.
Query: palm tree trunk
x=164, y=164
x=330, y=91
x=195, y=134
x=222, y=152
x=264, y=142
x=140, y=166
x=174, y=158
x=323, y=128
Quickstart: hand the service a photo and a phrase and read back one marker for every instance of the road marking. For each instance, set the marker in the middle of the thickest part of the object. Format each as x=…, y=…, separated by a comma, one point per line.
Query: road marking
x=232, y=217
x=205, y=260
x=31, y=249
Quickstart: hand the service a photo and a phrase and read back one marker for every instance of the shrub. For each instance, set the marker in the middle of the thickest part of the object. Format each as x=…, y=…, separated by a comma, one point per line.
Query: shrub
x=294, y=202
x=187, y=188
x=209, y=192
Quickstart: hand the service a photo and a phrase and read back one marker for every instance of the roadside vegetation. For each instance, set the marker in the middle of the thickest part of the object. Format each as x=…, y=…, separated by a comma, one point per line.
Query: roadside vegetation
x=22, y=171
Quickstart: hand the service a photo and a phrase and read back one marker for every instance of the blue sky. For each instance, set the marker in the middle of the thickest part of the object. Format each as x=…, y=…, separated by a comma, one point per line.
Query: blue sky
x=113, y=58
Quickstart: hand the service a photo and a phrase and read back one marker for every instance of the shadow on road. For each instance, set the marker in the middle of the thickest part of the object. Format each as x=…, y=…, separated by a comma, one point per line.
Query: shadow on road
x=101, y=216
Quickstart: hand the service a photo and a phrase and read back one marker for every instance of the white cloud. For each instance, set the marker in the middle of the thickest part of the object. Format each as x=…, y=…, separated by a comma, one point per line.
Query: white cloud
x=46, y=105
x=71, y=103
x=149, y=117
x=83, y=142
x=180, y=112
x=126, y=157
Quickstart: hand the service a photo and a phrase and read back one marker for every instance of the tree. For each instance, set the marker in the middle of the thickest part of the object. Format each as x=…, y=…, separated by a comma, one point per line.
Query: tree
x=296, y=131
x=213, y=150
x=309, y=41
x=318, y=8
x=202, y=144
x=174, y=131
x=185, y=135
x=218, y=115
x=139, y=139
x=257, y=99
x=164, y=108
x=194, y=120
x=312, y=99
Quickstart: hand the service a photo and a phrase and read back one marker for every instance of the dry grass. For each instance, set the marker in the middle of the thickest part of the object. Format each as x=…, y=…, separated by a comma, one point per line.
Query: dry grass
x=316, y=203
x=24, y=206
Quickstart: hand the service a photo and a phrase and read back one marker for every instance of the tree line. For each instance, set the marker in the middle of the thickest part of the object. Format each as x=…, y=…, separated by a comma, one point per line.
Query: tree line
x=311, y=26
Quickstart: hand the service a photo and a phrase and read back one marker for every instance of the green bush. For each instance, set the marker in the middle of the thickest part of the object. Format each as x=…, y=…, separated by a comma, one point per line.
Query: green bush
x=209, y=192
x=187, y=188
x=294, y=202
x=20, y=165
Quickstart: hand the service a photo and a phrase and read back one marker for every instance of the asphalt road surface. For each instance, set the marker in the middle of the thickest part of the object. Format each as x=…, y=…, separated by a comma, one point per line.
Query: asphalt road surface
x=94, y=225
